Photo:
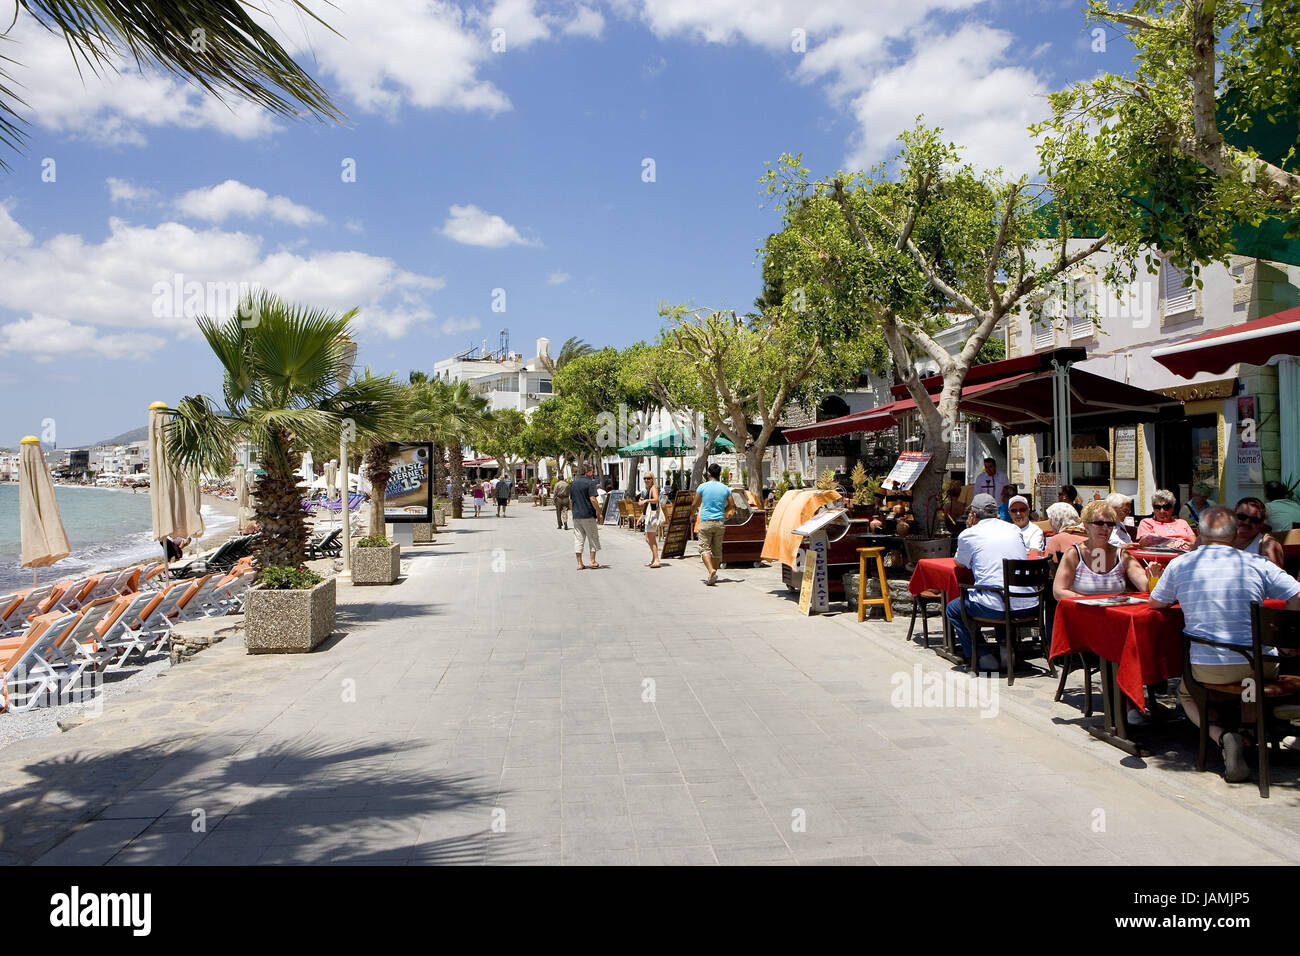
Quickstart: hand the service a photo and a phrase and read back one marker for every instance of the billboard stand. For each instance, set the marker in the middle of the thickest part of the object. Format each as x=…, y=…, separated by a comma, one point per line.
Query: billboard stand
x=404, y=534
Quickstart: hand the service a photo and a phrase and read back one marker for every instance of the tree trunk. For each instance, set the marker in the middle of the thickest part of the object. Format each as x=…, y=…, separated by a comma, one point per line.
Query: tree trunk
x=457, y=465
x=439, y=468
x=754, y=465
x=378, y=470
x=283, y=541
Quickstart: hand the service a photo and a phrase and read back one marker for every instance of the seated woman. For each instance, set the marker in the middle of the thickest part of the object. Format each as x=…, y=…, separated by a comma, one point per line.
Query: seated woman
x=1031, y=533
x=1067, y=530
x=1162, y=529
x=1097, y=566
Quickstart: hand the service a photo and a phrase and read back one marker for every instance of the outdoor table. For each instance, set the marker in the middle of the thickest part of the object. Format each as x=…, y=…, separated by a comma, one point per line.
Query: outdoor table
x=1161, y=558
x=1138, y=645
x=943, y=574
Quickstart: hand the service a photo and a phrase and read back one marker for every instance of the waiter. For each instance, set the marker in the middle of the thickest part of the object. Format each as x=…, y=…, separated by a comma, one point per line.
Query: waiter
x=990, y=481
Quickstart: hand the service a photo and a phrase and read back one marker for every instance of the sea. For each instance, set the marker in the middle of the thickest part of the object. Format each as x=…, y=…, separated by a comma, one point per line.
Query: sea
x=107, y=528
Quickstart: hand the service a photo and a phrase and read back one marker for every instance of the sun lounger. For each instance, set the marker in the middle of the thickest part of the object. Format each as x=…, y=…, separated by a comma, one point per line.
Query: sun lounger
x=75, y=594
x=28, y=605
x=27, y=671
x=146, y=627
x=326, y=546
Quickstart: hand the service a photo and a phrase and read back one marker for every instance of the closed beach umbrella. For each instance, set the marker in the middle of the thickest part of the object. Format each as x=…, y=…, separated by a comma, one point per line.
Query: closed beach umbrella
x=241, y=493
x=308, y=468
x=43, y=539
x=331, y=478
x=173, y=498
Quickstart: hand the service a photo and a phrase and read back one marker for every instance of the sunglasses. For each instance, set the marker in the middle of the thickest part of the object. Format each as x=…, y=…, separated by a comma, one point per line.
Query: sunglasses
x=1250, y=518
x=1162, y=507
x=1103, y=524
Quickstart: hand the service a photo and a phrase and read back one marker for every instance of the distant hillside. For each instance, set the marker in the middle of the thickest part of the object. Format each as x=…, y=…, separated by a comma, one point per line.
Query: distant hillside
x=135, y=434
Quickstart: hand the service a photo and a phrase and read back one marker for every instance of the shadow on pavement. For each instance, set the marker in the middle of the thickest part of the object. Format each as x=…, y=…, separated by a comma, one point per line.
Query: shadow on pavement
x=305, y=803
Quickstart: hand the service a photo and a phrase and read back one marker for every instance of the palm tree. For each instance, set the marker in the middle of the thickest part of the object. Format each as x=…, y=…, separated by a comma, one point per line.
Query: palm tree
x=282, y=367
x=572, y=348
x=378, y=464
x=449, y=413
x=217, y=44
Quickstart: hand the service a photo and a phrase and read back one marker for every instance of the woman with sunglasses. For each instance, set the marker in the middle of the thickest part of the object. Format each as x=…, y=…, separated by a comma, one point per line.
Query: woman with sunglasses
x=1251, y=516
x=1097, y=566
x=1162, y=529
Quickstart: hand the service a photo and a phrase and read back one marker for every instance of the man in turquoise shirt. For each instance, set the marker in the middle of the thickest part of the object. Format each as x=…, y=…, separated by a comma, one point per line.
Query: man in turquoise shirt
x=715, y=507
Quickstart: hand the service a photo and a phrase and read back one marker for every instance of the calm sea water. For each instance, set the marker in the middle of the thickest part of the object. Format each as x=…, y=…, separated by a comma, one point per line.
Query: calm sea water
x=107, y=527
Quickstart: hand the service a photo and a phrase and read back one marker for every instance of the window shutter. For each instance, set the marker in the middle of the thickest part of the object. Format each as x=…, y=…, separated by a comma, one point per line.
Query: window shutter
x=1081, y=325
x=1177, y=298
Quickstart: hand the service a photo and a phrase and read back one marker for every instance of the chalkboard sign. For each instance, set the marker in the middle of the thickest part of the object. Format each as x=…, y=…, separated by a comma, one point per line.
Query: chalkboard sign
x=611, y=507
x=679, y=525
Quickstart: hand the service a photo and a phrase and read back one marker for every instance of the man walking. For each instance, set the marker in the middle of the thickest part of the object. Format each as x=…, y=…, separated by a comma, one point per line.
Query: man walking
x=503, y=495
x=561, y=492
x=582, y=497
x=715, y=507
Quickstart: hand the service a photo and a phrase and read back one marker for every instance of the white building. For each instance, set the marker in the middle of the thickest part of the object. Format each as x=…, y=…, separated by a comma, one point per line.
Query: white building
x=505, y=378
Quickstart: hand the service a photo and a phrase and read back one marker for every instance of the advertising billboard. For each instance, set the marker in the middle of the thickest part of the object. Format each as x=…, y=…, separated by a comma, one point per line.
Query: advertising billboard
x=408, y=496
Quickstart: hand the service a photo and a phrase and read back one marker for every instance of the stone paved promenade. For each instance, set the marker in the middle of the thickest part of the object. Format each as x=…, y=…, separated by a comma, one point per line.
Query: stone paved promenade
x=498, y=706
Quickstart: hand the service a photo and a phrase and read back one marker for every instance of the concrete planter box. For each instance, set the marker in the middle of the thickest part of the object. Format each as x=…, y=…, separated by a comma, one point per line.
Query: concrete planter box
x=376, y=565
x=423, y=533
x=439, y=518
x=289, y=622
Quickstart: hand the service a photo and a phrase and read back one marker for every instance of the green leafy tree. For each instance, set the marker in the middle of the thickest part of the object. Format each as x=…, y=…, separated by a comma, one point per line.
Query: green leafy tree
x=891, y=251
x=1209, y=73
x=674, y=385
x=282, y=366
x=502, y=436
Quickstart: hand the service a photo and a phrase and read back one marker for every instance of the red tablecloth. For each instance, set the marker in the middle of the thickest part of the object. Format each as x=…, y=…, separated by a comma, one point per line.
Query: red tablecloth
x=939, y=574
x=1159, y=557
x=1145, y=643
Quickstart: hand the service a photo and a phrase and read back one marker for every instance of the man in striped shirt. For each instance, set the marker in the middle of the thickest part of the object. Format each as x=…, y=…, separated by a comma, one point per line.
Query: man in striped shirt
x=1215, y=586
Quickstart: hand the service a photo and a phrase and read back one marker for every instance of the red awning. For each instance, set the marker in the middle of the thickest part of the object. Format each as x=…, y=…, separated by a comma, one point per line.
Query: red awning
x=1254, y=343
x=872, y=420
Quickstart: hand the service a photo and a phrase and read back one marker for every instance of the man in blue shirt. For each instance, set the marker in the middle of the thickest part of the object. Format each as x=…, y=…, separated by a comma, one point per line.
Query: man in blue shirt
x=715, y=507
x=1215, y=586
x=982, y=547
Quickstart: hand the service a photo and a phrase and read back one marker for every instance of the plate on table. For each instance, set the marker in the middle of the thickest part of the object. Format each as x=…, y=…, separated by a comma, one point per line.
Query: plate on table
x=1159, y=549
x=1115, y=600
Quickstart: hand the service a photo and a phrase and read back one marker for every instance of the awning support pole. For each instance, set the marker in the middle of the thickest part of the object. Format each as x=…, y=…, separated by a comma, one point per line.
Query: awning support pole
x=1063, y=428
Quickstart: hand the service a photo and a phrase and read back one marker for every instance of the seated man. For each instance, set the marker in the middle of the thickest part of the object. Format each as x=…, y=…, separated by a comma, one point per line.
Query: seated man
x=982, y=547
x=1215, y=585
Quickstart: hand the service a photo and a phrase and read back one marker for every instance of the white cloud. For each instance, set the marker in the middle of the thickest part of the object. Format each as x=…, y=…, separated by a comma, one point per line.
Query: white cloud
x=885, y=63
x=585, y=23
x=233, y=198
x=958, y=82
x=472, y=226
x=44, y=338
x=122, y=190
x=558, y=278
x=155, y=279
x=519, y=22
x=450, y=326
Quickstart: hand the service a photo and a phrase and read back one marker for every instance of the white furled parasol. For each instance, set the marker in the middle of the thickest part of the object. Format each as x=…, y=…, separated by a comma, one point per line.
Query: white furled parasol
x=241, y=495
x=43, y=539
x=173, y=498
x=308, y=469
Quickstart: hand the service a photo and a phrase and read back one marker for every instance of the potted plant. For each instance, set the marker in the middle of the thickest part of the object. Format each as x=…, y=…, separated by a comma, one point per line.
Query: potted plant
x=288, y=385
x=864, y=491
x=376, y=560
x=289, y=611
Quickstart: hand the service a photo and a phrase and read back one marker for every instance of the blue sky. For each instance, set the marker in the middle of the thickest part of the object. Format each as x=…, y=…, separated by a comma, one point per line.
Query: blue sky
x=475, y=170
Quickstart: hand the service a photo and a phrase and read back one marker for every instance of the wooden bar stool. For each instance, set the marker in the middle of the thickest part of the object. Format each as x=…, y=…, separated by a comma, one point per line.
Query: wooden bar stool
x=864, y=555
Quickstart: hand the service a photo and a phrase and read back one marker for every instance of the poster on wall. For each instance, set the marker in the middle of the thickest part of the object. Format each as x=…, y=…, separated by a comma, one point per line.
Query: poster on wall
x=1246, y=421
x=1250, y=464
x=1126, y=452
x=408, y=496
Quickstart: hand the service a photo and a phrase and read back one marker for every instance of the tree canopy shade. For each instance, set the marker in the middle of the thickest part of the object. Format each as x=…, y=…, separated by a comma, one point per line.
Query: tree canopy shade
x=1206, y=126
x=217, y=44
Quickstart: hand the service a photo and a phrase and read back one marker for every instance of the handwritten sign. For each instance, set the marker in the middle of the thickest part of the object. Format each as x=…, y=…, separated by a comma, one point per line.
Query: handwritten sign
x=679, y=525
x=611, y=507
x=1126, y=451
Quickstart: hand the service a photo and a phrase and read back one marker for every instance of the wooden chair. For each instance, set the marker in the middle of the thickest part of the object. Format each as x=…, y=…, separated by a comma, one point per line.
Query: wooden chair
x=877, y=555
x=1269, y=627
x=1031, y=580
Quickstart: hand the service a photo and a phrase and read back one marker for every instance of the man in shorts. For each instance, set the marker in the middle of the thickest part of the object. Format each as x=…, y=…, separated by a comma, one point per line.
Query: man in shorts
x=715, y=507
x=503, y=490
x=582, y=498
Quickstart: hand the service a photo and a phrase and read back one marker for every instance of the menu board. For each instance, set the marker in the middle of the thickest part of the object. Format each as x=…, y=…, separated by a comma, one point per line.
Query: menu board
x=1126, y=444
x=906, y=470
x=408, y=496
x=1047, y=488
x=679, y=525
x=611, y=506
x=814, y=591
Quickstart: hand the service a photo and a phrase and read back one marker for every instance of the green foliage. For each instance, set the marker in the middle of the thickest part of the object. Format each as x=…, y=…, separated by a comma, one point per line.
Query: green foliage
x=374, y=541
x=287, y=579
x=1160, y=142
x=725, y=477
x=863, y=493
x=826, y=481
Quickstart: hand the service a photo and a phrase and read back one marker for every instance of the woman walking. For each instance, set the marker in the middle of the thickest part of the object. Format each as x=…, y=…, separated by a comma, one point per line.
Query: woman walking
x=650, y=506
x=478, y=498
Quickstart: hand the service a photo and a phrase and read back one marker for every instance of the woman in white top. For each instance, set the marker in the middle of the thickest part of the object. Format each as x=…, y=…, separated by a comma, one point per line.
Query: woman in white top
x=650, y=507
x=1122, y=505
x=1031, y=533
x=1251, y=516
x=1097, y=566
